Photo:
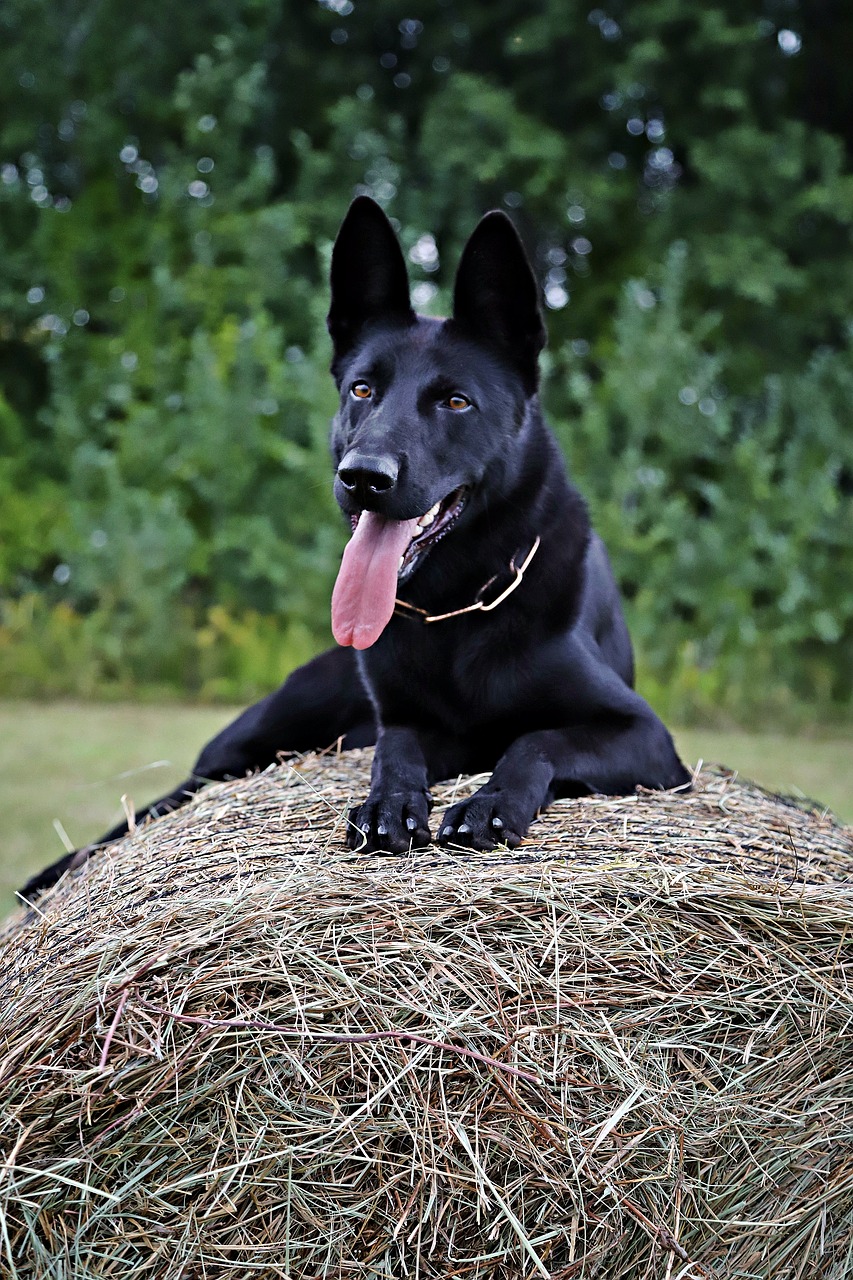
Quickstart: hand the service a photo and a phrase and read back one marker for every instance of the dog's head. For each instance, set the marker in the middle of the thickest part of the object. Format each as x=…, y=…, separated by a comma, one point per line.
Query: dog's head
x=429, y=408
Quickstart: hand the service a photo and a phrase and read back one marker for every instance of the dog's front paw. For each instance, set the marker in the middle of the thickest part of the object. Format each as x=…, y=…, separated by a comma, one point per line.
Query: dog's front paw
x=484, y=821
x=392, y=823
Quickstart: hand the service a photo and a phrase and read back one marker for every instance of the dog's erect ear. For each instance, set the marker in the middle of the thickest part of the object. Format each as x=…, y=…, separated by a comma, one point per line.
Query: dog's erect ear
x=369, y=277
x=496, y=299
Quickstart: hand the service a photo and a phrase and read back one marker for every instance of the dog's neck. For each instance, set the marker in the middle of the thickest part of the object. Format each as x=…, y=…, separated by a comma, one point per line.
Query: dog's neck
x=485, y=600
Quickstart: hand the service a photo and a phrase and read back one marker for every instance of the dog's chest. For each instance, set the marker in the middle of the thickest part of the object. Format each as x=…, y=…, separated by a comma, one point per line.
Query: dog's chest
x=461, y=679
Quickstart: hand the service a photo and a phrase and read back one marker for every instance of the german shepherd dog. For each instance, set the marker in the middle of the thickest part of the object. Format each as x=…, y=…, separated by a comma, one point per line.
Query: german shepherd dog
x=477, y=620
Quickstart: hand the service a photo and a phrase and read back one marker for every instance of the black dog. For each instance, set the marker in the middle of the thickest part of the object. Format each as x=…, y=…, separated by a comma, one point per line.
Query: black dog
x=477, y=617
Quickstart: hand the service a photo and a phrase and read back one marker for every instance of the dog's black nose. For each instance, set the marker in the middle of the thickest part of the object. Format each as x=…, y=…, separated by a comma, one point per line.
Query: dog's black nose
x=366, y=475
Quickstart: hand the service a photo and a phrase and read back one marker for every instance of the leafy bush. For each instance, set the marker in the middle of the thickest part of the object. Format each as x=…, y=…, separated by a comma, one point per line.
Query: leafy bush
x=725, y=513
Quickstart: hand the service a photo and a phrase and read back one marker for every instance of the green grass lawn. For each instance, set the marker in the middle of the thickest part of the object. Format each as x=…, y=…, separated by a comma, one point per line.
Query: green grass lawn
x=70, y=764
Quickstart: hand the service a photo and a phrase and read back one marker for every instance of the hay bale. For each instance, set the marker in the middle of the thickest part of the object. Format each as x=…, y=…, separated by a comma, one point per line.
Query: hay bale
x=233, y=1049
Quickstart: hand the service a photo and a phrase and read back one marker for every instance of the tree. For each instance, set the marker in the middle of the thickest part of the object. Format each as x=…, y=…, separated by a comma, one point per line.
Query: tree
x=169, y=189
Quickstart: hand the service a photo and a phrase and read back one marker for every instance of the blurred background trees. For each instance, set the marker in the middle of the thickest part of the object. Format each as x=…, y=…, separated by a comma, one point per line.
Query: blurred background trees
x=171, y=180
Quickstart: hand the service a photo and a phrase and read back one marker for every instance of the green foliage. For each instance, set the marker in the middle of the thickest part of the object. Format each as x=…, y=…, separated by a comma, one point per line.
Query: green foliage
x=169, y=188
x=733, y=535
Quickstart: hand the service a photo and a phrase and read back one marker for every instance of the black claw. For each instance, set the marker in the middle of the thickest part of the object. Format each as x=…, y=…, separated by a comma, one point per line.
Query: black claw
x=497, y=822
x=463, y=829
x=411, y=825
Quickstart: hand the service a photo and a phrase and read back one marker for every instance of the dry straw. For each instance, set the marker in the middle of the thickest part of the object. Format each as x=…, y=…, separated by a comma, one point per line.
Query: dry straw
x=231, y=1049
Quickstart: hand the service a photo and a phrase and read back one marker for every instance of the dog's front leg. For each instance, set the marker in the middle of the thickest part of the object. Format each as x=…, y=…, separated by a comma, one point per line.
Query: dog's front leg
x=612, y=757
x=395, y=816
x=501, y=811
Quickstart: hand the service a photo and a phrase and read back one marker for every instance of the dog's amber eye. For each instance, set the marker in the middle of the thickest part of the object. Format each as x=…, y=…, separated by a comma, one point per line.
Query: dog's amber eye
x=458, y=403
x=361, y=390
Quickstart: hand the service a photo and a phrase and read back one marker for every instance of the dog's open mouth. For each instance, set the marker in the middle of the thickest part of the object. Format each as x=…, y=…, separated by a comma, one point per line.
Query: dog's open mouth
x=431, y=528
x=380, y=554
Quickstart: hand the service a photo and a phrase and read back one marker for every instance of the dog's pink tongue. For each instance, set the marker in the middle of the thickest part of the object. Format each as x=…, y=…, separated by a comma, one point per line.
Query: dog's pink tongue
x=363, y=598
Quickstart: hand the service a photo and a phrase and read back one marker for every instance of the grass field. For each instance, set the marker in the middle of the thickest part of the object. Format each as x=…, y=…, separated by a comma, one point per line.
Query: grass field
x=64, y=768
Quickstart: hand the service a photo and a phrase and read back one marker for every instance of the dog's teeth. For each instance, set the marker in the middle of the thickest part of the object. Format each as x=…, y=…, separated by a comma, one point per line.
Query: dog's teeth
x=426, y=520
x=402, y=562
